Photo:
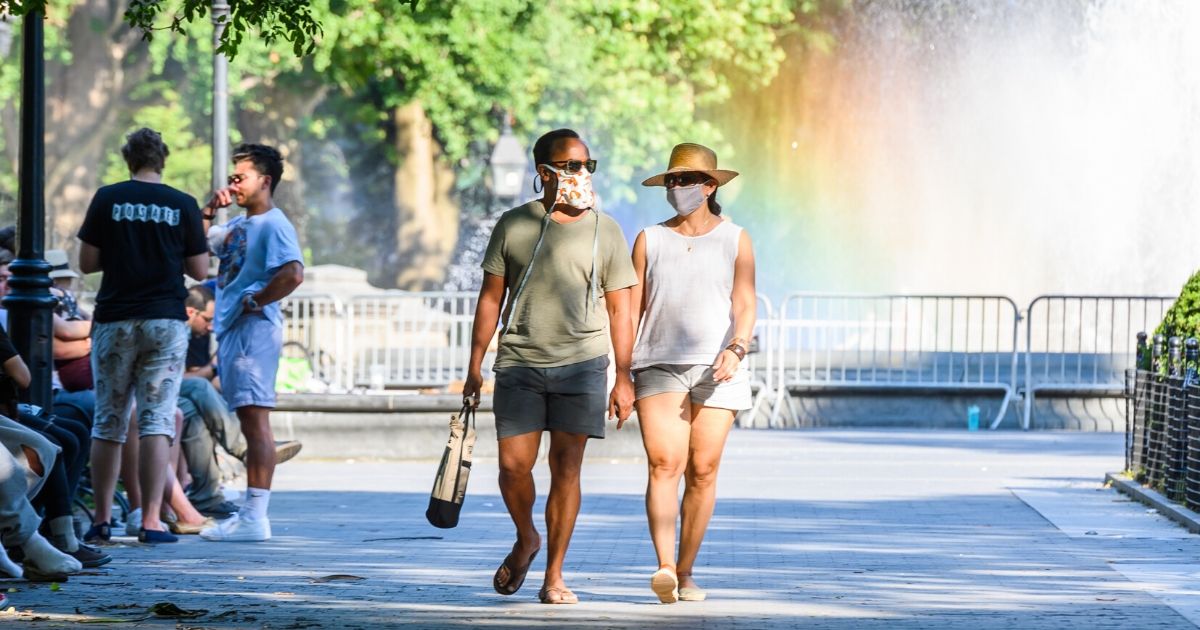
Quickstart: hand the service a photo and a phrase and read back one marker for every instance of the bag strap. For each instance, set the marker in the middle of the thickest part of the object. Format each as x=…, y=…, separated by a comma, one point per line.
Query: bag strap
x=468, y=416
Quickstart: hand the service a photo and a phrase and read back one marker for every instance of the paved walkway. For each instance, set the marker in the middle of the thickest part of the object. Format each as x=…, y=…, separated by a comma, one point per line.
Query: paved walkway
x=814, y=529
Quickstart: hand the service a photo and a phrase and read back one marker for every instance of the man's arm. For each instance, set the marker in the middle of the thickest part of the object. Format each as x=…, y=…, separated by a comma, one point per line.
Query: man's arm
x=89, y=257
x=197, y=266
x=487, y=316
x=620, y=326
x=16, y=369
x=203, y=371
x=287, y=279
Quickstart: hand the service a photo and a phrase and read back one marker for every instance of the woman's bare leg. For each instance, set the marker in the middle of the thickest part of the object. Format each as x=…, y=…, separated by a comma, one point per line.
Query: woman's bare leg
x=665, y=423
x=710, y=427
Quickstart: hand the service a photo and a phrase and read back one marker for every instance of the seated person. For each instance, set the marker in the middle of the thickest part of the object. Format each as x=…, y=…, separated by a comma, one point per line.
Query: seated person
x=18, y=520
x=201, y=308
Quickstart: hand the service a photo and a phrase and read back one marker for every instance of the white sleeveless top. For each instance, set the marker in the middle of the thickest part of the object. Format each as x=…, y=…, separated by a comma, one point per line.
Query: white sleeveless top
x=688, y=289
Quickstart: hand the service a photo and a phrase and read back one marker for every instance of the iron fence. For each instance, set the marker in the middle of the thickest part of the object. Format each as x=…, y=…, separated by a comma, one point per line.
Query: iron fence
x=1162, y=439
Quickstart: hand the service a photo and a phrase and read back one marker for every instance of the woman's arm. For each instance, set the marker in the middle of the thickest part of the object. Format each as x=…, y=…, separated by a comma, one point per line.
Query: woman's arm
x=745, y=305
x=67, y=350
x=637, y=296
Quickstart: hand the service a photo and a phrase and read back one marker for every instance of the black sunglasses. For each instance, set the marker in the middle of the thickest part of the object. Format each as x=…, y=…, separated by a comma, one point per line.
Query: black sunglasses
x=573, y=166
x=671, y=180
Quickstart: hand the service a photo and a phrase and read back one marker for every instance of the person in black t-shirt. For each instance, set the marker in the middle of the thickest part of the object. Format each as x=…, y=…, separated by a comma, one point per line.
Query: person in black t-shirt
x=144, y=235
x=201, y=306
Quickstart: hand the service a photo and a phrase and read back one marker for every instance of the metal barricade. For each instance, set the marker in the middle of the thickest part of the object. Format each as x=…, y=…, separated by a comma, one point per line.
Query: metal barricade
x=761, y=364
x=1081, y=344
x=315, y=325
x=411, y=340
x=913, y=343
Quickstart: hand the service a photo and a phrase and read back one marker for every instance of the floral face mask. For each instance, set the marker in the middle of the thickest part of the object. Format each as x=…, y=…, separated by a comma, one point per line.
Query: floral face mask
x=574, y=189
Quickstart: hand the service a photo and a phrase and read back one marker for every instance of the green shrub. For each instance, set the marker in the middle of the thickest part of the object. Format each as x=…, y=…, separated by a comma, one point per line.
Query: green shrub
x=1183, y=318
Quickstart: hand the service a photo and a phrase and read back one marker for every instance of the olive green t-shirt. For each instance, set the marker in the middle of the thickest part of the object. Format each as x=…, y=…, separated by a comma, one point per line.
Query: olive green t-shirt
x=554, y=322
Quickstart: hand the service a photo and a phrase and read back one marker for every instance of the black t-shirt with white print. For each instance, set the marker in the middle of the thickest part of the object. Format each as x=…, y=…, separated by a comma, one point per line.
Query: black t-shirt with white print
x=144, y=232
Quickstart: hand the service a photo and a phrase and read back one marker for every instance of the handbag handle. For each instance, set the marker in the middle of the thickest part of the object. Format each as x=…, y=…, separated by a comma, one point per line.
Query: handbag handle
x=467, y=413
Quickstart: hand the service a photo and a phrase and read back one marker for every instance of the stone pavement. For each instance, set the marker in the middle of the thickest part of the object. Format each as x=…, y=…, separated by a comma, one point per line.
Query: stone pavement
x=813, y=529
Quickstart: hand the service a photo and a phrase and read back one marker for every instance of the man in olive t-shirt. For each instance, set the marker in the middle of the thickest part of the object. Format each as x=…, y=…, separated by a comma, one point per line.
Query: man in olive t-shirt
x=567, y=272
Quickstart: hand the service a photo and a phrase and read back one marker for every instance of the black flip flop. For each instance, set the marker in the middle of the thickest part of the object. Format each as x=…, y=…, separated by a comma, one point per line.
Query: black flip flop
x=516, y=575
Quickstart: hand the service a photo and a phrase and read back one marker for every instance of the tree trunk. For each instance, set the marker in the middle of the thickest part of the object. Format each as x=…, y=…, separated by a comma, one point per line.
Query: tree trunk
x=84, y=100
x=275, y=124
x=427, y=214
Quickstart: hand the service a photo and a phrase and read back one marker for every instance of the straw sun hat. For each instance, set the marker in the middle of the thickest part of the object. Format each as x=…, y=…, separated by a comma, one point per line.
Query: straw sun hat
x=689, y=158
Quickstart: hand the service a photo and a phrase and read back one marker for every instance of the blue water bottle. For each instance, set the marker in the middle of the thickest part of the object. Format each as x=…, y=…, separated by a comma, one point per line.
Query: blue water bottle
x=973, y=418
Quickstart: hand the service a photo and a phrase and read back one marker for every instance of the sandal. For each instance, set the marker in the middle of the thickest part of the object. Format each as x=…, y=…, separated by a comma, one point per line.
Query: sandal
x=665, y=584
x=691, y=593
x=516, y=574
x=562, y=595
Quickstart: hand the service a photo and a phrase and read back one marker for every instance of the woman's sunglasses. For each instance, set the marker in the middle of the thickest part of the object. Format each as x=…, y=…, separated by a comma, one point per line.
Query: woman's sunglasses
x=671, y=180
x=572, y=166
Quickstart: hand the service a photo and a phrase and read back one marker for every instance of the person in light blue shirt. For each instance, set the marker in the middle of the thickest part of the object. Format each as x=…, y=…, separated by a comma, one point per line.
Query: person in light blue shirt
x=261, y=264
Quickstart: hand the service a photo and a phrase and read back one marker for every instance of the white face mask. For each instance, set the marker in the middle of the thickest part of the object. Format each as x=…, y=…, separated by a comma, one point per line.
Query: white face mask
x=574, y=189
x=686, y=199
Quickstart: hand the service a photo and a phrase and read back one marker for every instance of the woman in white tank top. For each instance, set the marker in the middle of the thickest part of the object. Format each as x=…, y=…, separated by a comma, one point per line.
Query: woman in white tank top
x=694, y=312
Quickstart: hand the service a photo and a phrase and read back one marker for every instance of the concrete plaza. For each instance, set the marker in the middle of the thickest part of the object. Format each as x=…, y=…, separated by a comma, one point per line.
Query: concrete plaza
x=813, y=529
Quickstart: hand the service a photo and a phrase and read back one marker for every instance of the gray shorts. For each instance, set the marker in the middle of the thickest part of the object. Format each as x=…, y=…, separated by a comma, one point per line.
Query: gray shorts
x=696, y=380
x=248, y=358
x=571, y=398
x=142, y=359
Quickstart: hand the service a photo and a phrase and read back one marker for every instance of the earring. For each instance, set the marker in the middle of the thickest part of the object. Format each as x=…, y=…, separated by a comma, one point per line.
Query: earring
x=535, y=185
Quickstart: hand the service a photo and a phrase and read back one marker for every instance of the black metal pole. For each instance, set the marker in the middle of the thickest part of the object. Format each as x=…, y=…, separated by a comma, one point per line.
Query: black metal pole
x=29, y=303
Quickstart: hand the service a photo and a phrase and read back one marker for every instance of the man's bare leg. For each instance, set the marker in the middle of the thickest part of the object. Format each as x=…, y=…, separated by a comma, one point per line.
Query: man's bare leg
x=518, y=454
x=562, y=507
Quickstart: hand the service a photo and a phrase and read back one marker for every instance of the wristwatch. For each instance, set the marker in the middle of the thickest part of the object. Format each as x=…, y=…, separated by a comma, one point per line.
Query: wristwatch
x=250, y=303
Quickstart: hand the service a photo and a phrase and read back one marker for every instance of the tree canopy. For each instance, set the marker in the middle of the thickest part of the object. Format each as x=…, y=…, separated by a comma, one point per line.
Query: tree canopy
x=291, y=21
x=350, y=88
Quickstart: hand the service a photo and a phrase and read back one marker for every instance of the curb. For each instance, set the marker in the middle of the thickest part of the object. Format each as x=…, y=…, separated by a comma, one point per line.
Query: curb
x=1181, y=515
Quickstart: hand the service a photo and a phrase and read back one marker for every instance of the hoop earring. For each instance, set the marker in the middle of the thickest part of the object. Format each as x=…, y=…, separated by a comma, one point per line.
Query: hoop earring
x=536, y=180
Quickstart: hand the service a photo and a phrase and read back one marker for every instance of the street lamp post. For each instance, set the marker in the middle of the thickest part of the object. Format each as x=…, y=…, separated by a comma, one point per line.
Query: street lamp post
x=29, y=302
x=508, y=165
x=220, y=105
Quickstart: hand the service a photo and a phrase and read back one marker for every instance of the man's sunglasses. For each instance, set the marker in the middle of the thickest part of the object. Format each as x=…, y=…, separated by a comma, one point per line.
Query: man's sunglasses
x=572, y=166
x=236, y=178
x=671, y=180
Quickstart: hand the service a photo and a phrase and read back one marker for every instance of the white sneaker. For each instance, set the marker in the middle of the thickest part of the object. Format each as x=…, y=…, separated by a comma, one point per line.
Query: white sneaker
x=237, y=528
x=133, y=523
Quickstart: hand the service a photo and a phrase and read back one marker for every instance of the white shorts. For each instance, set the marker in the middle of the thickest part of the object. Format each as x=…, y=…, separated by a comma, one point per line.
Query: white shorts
x=696, y=380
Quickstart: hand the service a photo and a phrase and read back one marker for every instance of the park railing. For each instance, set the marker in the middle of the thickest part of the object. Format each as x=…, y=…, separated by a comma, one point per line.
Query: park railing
x=1162, y=439
x=1061, y=345
x=898, y=343
x=1080, y=345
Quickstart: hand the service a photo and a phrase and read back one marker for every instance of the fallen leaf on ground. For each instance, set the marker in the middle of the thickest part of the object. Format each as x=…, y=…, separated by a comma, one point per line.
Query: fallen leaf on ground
x=337, y=577
x=169, y=610
x=122, y=607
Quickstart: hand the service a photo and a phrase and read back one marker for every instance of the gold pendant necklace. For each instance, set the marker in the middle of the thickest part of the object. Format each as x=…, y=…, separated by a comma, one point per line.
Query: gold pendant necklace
x=701, y=231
